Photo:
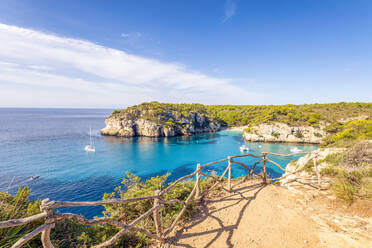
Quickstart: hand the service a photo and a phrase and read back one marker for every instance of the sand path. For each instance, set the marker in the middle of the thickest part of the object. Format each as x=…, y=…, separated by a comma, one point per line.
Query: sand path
x=257, y=215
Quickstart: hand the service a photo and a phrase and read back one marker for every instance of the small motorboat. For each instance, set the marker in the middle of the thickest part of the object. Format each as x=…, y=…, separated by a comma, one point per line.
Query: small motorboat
x=244, y=148
x=295, y=150
x=35, y=177
x=90, y=147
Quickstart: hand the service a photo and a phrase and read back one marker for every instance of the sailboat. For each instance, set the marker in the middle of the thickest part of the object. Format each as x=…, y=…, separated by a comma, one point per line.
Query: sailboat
x=90, y=147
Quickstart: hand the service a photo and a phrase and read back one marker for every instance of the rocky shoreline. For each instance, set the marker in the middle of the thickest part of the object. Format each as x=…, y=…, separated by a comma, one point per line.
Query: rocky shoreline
x=280, y=132
x=167, y=124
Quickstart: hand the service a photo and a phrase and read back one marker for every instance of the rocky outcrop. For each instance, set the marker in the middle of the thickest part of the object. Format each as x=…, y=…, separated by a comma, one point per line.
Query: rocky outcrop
x=295, y=169
x=154, y=124
x=280, y=132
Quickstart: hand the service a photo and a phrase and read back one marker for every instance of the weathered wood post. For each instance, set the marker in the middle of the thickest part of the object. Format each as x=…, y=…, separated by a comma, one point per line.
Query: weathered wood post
x=316, y=169
x=156, y=214
x=197, y=182
x=229, y=173
x=45, y=235
x=264, y=168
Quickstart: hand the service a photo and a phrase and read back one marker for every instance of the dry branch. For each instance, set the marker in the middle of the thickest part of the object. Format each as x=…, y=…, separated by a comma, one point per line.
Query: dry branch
x=45, y=237
x=23, y=221
x=29, y=236
x=247, y=155
x=131, y=225
x=181, y=213
x=179, y=180
x=57, y=204
x=211, y=163
x=276, y=164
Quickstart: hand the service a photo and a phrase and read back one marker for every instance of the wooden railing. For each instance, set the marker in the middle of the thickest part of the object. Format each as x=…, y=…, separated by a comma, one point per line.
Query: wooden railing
x=51, y=217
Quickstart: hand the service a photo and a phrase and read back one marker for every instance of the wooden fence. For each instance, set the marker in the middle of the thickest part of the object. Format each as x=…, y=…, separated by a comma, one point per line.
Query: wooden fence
x=51, y=217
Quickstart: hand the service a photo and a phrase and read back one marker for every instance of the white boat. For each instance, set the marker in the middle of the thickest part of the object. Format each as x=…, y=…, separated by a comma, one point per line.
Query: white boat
x=90, y=147
x=295, y=150
x=244, y=148
x=35, y=177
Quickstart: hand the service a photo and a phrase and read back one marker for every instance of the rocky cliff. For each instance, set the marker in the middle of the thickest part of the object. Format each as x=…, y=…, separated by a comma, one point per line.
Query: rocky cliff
x=280, y=132
x=158, y=122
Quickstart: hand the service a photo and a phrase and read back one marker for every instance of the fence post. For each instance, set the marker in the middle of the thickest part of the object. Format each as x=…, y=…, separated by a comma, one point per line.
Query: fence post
x=264, y=168
x=316, y=169
x=156, y=214
x=229, y=175
x=45, y=235
x=197, y=190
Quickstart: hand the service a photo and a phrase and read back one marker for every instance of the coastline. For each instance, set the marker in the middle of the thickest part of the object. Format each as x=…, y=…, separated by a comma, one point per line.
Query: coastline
x=235, y=129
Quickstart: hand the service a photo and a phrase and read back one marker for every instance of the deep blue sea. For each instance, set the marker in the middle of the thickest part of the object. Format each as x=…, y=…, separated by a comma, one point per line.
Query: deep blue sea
x=50, y=143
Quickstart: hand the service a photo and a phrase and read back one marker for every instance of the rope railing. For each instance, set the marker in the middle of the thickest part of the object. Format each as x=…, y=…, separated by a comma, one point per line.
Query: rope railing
x=47, y=207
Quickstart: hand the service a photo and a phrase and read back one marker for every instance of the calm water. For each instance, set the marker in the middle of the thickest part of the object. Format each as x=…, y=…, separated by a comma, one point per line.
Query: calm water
x=50, y=143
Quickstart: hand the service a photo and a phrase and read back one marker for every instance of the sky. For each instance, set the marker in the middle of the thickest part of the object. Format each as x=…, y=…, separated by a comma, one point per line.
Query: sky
x=113, y=54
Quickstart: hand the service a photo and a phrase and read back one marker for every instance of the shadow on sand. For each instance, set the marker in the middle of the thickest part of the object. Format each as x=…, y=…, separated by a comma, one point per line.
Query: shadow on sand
x=234, y=198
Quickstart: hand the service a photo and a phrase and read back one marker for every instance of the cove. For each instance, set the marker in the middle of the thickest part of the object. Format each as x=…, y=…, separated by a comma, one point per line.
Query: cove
x=50, y=143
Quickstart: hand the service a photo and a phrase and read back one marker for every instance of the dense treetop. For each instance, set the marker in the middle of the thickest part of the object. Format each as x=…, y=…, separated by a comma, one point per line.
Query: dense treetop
x=238, y=115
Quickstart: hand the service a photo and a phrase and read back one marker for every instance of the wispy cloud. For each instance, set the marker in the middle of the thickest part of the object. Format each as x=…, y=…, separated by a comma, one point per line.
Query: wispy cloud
x=134, y=34
x=230, y=9
x=124, y=35
x=61, y=68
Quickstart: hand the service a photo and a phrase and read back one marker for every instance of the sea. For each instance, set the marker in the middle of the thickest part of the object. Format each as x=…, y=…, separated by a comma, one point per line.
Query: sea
x=44, y=149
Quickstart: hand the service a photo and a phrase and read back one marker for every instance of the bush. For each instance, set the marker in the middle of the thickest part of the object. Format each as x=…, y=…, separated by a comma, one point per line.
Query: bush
x=330, y=171
x=350, y=132
x=344, y=190
x=132, y=186
x=18, y=206
x=299, y=134
x=319, y=135
x=275, y=134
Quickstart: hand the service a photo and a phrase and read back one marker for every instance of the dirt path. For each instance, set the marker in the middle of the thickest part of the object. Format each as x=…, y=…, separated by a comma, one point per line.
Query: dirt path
x=257, y=215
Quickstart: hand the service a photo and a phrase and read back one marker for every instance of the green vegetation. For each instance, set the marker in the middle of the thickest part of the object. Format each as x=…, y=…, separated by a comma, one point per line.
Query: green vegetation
x=275, y=134
x=18, y=206
x=352, y=172
x=239, y=115
x=349, y=133
x=72, y=234
x=299, y=134
x=319, y=135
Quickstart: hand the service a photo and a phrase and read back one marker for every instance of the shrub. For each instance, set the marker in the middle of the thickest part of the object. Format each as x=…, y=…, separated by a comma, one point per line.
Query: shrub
x=132, y=186
x=299, y=134
x=330, y=171
x=319, y=135
x=248, y=130
x=350, y=132
x=275, y=134
x=18, y=206
x=309, y=166
x=344, y=190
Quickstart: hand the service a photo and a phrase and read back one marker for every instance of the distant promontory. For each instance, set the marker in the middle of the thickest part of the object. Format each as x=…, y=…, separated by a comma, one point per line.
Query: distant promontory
x=308, y=123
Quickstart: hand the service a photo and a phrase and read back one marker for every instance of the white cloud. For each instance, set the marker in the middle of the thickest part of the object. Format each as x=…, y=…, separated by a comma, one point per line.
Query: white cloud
x=36, y=62
x=40, y=67
x=124, y=35
x=230, y=9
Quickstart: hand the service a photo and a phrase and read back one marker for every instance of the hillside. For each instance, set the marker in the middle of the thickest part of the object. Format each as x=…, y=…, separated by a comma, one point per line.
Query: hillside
x=166, y=119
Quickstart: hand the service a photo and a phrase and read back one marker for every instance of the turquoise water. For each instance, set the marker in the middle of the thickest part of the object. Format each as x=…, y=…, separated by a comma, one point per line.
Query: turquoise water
x=50, y=143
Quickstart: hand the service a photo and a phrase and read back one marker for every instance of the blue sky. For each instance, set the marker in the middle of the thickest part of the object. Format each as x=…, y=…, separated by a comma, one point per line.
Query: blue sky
x=118, y=53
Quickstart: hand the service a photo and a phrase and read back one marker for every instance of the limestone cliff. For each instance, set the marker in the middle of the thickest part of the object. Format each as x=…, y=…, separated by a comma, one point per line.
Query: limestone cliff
x=155, y=122
x=280, y=132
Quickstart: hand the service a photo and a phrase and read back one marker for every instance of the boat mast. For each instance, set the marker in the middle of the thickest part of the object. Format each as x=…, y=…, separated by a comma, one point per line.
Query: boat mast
x=90, y=134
